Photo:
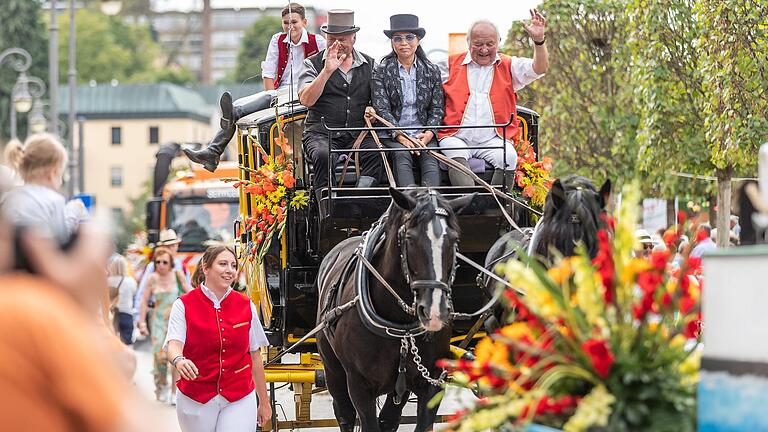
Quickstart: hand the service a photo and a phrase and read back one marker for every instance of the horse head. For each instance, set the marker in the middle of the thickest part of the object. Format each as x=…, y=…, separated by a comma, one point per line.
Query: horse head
x=427, y=233
x=572, y=214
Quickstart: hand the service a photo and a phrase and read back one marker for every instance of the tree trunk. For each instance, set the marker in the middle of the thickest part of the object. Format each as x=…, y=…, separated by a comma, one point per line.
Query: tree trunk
x=723, y=206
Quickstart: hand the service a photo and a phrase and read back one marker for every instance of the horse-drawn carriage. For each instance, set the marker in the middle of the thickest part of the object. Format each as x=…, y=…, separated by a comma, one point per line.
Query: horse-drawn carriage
x=284, y=284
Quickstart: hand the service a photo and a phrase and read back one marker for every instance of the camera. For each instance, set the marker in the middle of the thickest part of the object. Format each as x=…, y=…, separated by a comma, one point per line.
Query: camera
x=21, y=260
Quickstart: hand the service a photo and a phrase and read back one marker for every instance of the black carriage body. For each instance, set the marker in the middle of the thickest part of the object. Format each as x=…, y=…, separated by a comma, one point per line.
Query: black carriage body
x=311, y=232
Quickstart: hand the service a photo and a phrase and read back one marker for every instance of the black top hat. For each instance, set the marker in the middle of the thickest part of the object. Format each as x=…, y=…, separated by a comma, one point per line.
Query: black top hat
x=404, y=23
x=340, y=21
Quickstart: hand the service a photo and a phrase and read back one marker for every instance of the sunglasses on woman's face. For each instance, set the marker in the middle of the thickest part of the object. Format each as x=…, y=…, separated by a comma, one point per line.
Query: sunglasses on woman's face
x=399, y=39
x=158, y=262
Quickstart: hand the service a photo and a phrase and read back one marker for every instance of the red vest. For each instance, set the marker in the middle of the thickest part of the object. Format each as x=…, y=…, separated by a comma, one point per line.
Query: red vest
x=502, y=96
x=218, y=342
x=310, y=48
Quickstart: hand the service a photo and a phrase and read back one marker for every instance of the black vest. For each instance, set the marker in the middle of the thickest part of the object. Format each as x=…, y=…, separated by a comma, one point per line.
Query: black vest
x=342, y=104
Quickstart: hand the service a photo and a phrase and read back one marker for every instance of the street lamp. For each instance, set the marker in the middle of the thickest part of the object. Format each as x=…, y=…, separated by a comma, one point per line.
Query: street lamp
x=22, y=100
x=111, y=7
x=36, y=120
x=23, y=96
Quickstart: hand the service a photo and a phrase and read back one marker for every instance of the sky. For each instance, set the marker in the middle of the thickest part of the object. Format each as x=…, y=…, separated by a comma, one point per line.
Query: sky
x=437, y=17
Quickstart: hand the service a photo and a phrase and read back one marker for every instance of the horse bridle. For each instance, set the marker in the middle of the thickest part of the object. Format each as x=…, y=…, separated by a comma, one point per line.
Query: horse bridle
x=424, y=284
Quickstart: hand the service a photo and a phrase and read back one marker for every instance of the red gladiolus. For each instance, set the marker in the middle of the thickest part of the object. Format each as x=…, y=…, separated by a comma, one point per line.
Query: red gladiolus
x=681, y=217
x=600, y=356
x=646, y=304
x=666, y=299
x=649, y=281
x=687, y=304
x=701, y=235
x=692, y=329
x=604, y=263
x=659, y=260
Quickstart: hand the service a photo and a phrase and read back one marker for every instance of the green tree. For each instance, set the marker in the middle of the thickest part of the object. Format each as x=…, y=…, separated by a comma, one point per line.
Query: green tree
x=21, y=25
x=588, y=125
x=107, y=48
x=701, y=84
x=254, y=47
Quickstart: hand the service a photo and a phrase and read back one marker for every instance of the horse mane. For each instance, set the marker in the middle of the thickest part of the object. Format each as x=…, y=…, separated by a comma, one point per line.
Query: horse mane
x=578, y=218
x=422, y=213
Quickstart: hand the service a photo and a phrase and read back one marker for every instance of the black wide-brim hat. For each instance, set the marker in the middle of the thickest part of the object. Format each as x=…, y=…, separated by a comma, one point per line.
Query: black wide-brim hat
x=340, y=21
x=405, y=23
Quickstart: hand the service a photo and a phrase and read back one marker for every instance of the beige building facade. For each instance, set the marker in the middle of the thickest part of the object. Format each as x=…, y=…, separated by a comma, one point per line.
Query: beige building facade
x=119, y=154
x=123, y=128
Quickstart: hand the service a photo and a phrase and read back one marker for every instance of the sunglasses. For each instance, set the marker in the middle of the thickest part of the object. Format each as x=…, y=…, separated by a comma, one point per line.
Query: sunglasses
x=158, y=262
x=399, y=39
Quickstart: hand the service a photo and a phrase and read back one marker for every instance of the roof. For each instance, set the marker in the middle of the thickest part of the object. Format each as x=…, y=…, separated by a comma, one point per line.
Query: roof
x=162, y=100
x=211, y=93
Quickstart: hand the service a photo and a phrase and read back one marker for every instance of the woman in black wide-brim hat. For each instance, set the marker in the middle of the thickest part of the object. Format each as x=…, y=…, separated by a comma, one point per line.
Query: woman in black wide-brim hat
x=408, y=92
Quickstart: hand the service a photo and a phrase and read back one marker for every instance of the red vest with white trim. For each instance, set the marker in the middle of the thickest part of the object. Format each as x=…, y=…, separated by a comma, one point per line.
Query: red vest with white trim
x=218, y=342
x=502, y=96
x=310, y=48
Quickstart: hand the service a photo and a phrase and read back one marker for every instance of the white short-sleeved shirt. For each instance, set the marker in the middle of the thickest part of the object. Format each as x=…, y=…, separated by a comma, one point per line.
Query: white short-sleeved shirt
x=177, y=322
x=295, y=56
x=479, y=80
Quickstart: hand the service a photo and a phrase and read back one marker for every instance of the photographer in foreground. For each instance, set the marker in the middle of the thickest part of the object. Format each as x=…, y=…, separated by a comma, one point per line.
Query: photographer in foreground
x=59, y=370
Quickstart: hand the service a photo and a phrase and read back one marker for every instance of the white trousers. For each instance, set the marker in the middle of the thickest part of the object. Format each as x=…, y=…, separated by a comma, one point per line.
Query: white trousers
x=454, y=147
x=217, y=415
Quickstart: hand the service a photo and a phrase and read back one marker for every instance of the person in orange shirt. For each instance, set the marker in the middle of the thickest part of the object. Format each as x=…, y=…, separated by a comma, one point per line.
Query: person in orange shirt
x=57, y=372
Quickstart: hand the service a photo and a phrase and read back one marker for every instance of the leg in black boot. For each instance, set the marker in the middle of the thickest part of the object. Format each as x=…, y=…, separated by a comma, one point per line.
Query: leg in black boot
x=231, y=112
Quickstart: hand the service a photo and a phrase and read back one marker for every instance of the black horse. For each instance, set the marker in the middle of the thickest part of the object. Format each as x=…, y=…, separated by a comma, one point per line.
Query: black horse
x=413, y=248
x=572, y=214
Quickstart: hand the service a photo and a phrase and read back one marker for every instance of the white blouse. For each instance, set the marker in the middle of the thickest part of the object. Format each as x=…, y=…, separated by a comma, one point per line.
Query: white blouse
x=177, y=322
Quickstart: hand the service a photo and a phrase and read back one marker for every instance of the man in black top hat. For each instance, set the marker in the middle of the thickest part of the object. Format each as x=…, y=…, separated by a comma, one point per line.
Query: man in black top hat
x=336, y=87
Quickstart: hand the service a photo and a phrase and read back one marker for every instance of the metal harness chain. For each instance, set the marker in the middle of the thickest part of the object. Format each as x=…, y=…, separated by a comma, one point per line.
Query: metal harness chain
x=420, y=366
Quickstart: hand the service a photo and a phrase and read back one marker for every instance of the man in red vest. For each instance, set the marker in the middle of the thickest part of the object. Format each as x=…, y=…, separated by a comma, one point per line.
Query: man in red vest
x=480, y=90
x=285, y=55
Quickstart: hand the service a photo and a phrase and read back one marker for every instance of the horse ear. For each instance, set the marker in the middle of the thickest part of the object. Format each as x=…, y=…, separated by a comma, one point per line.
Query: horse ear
x=402, y=200
x=605, y=193
x=458, y=204
x=557, y=192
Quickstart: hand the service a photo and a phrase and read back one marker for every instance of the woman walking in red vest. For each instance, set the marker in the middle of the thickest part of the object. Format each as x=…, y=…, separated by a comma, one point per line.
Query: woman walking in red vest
x=214, y=340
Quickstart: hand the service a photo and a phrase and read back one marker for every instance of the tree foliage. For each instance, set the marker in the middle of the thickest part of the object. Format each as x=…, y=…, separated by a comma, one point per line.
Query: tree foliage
x=253, y=48
x=21, y=25
x=588, y=124
x=701, y=77
x=107, y=48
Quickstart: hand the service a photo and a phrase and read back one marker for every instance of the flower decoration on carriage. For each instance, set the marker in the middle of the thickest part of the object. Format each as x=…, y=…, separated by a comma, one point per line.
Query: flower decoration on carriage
x=272, y=187
x=609, y=343
x=532, y=176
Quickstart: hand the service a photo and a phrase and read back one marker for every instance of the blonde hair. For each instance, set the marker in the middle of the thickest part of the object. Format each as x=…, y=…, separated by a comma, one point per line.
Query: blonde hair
x=40, y=153
x=13, y=152
x=118, y=266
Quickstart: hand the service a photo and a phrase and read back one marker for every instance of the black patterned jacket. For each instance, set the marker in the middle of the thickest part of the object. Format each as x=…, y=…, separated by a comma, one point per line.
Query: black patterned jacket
x=387, y=91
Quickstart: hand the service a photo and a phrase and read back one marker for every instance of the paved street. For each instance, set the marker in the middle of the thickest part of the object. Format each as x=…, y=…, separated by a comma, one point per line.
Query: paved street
x=321, y=403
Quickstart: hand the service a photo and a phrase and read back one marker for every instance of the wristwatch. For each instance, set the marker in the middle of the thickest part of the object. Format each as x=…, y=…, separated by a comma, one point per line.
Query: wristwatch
x=176, y=360
x=541, y=42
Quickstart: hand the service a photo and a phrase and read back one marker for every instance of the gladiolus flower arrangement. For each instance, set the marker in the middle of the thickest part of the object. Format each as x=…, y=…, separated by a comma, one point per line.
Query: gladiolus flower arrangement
x=272, y=190
x=608, y=343
x=532, y=176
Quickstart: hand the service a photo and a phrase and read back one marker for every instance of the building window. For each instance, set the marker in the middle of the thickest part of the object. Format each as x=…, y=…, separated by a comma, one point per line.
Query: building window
x=116, y=176
x=154, y=134
x=117, y=136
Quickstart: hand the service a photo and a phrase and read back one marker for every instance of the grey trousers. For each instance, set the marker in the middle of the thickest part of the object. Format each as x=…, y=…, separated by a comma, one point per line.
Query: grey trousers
x=403, y=165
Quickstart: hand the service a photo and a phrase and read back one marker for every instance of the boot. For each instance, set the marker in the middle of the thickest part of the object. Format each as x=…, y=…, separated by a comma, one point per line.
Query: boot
x=366, y=181
x=459, y=178
x=209, y=156
x=499, y=175
x=230, y=114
